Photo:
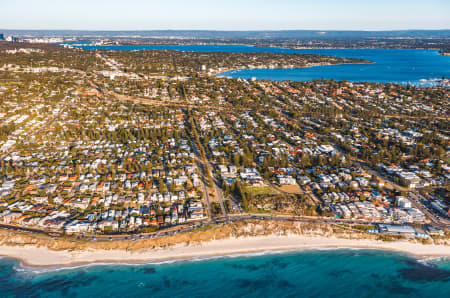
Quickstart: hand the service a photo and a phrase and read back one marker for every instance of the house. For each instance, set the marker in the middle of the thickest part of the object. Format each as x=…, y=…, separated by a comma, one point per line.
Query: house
x=78, y=227
x=195, y=210
x=80, y=203
x=441, y=208
x=113, y=224
x=286, y=180
x=409, y=179
x=403, y=202
x=10, y=217
x=303, y=180
x=362, y=181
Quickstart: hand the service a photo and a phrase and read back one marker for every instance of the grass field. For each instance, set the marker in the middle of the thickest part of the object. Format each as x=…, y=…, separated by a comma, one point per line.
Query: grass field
x=259, y=190
x=291, y=189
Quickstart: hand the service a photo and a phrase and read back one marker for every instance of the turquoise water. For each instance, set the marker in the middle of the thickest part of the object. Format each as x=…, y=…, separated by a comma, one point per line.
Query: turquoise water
x=392, y=65
x=315, y=273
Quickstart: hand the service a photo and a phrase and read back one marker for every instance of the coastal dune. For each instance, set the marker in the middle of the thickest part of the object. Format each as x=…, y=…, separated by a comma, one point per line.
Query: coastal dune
x=32, y=255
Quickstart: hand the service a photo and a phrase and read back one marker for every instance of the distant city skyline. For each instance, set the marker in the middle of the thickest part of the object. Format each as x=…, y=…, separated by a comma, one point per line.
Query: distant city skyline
x=226, y=15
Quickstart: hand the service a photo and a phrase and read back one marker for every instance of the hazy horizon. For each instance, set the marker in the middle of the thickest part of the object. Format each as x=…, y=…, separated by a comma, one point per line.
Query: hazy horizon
x=233, y=15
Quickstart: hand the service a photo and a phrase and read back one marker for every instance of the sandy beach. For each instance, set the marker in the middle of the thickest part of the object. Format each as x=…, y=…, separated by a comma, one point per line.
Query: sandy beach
x=41, y=256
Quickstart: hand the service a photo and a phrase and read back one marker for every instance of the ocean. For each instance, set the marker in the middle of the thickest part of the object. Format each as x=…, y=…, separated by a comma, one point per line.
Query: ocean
x=310, y=273
x=404, y=66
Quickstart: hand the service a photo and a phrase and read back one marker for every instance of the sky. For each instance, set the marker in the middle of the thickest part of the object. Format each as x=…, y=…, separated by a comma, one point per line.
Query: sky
x=225, y=14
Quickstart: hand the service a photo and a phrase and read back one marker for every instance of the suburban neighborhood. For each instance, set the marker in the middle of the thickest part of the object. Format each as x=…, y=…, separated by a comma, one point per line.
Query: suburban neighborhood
x=104, y=146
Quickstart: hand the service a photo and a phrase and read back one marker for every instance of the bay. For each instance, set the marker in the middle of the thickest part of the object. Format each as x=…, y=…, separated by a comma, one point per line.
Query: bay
x=418, y=67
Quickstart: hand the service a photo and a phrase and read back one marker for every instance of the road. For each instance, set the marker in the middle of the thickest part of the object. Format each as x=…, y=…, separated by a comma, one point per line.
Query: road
x=206, y=167
x=34, y=132
x=218, y=190
x=148, y=101
x=380, y=176
x=203, y=223
x=416, y=202
x=414, y=198
x=30, y=230
x=201, y=165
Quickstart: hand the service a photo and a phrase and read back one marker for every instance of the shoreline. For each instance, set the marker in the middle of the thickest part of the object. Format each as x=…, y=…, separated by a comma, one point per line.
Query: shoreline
x=220, y=74
x=256, y=46
x=42, y=257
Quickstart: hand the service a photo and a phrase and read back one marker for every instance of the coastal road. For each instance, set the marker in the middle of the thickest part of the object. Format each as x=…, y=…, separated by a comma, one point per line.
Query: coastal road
x=221, y=220
x=31, y=230
x=200, y=224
